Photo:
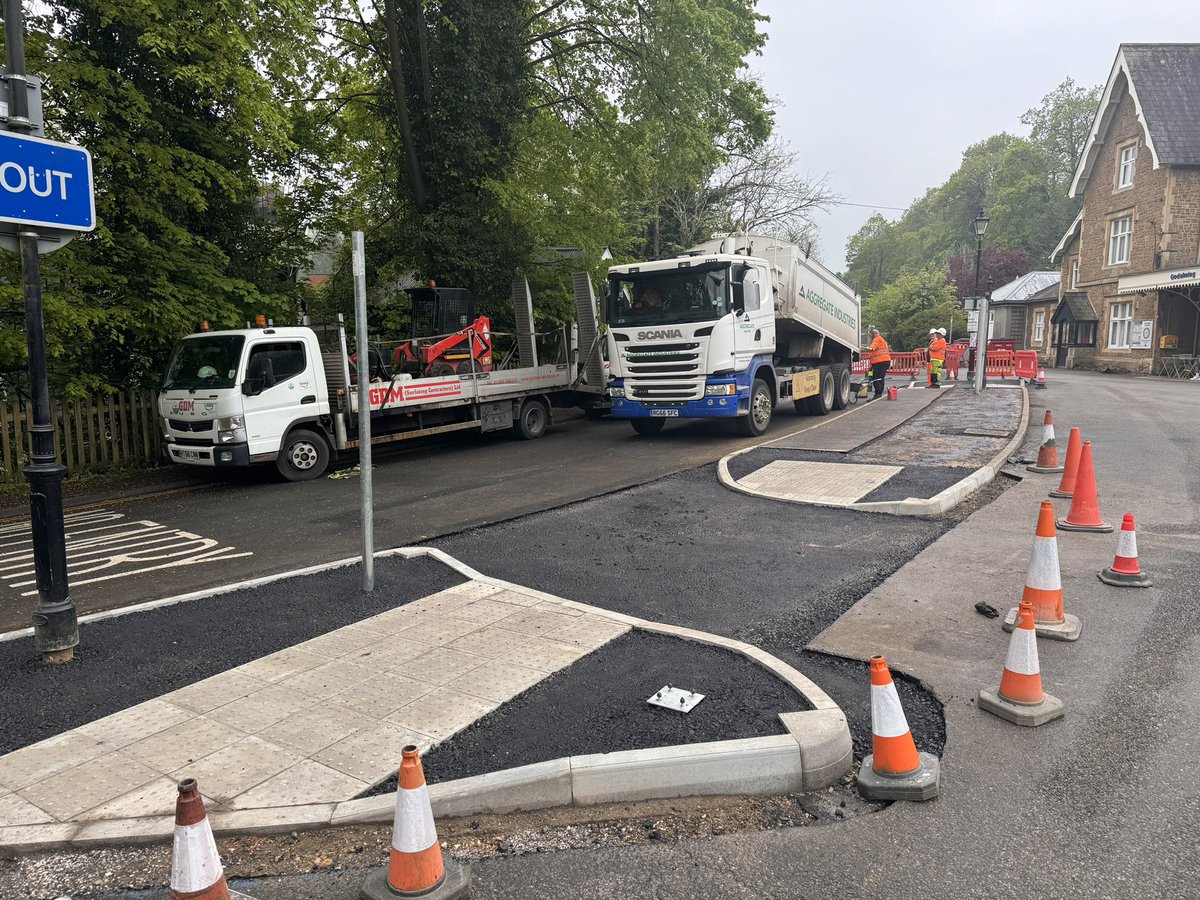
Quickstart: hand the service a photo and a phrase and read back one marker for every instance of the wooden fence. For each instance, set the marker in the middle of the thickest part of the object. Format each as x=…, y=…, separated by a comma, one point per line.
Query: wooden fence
x=91, y=435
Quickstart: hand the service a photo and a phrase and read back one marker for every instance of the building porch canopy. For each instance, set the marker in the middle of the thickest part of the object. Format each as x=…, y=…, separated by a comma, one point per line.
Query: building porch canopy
x=1165, y=279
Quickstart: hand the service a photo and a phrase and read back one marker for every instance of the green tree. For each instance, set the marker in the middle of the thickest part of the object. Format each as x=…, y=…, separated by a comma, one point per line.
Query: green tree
x=1060, y=125
x=181, y=108
x=907, y=308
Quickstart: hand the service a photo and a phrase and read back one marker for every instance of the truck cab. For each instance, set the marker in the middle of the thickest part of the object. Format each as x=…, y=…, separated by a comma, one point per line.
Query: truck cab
x=689, y=337
x=231, y=398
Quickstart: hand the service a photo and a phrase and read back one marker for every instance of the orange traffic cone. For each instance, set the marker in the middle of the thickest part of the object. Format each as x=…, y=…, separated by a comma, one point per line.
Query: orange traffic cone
x=1020, y=698
x=1043, y=585
x=895, y=770
x=1084, y=514
x=196, y=872
x=1041, y=379
x=1125, y=571
x=1047, y=460
x=1066, y=485
x=416, y=866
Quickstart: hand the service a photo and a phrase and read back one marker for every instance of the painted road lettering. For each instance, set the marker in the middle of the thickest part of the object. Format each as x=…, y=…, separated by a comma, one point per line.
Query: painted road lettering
x=104, y=545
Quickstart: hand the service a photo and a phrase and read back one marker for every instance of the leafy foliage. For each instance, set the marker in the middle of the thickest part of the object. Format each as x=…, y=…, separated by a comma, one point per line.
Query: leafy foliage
x=183, y=116
x=1021, y=183
x=908, y=307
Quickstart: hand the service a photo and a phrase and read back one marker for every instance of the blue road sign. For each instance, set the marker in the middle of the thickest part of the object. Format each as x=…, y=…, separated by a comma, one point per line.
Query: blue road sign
x=45, y=183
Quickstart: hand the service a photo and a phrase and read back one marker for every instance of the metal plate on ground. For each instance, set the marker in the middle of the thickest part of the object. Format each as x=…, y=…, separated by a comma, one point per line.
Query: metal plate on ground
x=675, y=698
x=986, y=432
x=817, y=482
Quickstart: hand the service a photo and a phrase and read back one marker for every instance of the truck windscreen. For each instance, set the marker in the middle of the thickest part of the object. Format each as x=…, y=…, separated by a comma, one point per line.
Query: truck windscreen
x=204, y=362
x=695, y=294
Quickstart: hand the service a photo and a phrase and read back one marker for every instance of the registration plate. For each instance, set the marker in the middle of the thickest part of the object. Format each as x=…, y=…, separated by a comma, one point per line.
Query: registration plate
x=187, y=454
x=664, y=414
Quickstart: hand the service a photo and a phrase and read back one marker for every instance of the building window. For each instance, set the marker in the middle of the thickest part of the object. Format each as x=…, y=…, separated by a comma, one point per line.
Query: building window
x=1120, y=321
x=1119, y=234
x=1084, y=334
x=1039, y=326
x=1125, y=171
x=1074, y=273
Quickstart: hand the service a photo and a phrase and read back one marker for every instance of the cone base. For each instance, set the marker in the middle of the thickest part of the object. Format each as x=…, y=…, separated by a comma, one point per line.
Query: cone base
x=1061, y=495
x=1044, y=470
x=922, y=784
x=1120, y=579
x=1064, y=525
x=1040, y=385
x=1048, y=710
x=456, y=885
x=1066, y=630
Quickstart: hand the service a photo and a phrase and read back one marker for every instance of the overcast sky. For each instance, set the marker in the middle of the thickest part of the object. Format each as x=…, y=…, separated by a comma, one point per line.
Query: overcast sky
x=886, y=96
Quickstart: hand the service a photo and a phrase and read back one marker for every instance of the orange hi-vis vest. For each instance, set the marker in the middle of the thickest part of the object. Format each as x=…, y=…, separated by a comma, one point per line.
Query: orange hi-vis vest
x=878, y=352
x=937, y=348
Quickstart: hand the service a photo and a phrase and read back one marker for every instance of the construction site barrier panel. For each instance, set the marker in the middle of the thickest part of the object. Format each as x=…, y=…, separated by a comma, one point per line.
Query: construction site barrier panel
x=1026, y=363
x=954, y=357
x=1000, y=363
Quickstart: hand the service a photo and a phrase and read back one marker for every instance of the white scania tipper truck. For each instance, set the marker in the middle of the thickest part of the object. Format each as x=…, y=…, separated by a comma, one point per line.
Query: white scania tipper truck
x=288, y=395
x=729, y=330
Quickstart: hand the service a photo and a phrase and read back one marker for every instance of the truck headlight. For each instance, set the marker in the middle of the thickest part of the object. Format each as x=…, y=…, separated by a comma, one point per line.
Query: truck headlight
x=616, y=392
x=231, y=430
x=719, y=390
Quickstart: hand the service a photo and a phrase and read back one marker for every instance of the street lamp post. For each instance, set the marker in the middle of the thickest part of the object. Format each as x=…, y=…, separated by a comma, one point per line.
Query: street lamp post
x=980, y=224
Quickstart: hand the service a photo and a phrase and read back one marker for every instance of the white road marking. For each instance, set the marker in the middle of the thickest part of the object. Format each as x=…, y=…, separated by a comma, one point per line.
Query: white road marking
x=103, y=545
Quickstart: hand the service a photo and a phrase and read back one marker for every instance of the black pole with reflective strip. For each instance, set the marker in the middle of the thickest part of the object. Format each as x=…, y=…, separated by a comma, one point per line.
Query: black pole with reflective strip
x=55, y=628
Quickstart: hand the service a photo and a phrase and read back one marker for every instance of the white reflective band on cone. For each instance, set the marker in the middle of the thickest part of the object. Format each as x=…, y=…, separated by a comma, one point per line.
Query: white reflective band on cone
x=1043, y=565
x=413, y=830
x=1022, y=656
x=887, y=716
x=1047, y=435
x=1127, y=545
x=197, y=864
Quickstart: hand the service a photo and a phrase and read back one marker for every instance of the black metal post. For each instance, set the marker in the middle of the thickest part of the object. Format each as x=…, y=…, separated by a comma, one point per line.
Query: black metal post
x=55, y=627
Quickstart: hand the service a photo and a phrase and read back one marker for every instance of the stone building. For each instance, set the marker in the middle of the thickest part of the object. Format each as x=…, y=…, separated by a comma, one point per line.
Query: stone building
x=1131, y=262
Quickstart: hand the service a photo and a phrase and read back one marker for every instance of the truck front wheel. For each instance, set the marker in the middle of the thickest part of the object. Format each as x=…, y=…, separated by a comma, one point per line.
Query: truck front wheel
x=647, y=426
x=303, y=456
x=761, y=406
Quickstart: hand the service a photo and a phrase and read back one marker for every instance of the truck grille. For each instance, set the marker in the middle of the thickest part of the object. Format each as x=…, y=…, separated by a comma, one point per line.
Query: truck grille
x=664, y=372
x=191, y=424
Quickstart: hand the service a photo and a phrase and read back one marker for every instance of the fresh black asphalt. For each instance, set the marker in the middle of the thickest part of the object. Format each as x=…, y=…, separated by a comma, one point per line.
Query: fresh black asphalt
x=686, y=551
x=598, y=705
x=130, y=659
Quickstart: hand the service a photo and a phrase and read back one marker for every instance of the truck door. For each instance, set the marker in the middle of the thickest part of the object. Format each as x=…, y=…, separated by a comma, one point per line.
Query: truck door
x=754, y=328
x=280, y=386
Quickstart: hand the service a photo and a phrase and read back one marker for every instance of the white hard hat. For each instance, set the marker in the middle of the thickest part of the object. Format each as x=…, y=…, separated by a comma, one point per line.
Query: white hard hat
x=942, y=331
x=933, y=331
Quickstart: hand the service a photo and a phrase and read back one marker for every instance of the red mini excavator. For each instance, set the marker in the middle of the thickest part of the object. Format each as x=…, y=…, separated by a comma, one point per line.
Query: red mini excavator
x=448, y=339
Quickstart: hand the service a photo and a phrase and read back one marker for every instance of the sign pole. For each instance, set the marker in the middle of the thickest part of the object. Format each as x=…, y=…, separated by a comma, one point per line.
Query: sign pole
x=358, y=266
x=55, y=627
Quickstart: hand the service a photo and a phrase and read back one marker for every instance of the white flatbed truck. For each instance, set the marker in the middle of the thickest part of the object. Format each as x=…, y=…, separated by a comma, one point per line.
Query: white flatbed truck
x=287, y=395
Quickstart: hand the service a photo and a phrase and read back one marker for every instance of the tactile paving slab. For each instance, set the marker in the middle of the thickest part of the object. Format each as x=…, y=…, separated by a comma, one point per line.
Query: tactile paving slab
x=817, y=482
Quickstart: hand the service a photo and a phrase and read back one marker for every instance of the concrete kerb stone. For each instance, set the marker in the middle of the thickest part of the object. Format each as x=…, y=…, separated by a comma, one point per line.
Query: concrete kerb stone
x=815, y=753
x=936, y=505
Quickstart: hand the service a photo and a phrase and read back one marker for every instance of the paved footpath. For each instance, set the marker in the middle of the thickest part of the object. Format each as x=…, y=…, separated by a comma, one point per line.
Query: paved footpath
x=316, y=723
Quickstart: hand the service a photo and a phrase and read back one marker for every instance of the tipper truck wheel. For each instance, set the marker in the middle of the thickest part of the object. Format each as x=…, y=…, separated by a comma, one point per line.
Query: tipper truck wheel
x=820, y=403
x=761, y=406
x=647, y=426
x=303, y=456
x=841, y=384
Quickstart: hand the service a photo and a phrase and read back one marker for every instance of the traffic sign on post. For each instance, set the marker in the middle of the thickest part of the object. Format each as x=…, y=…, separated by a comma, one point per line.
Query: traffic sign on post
x=45, y=184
